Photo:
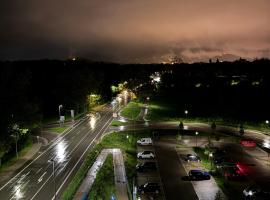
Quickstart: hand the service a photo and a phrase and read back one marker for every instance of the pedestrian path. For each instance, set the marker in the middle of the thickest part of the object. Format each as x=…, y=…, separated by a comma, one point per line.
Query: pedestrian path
x=119, y=174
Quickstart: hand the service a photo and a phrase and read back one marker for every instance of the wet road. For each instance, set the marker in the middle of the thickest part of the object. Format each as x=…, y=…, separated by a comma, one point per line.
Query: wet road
x=36, y=180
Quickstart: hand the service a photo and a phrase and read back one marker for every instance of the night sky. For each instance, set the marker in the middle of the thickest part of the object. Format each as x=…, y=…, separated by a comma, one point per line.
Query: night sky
x=137, y=31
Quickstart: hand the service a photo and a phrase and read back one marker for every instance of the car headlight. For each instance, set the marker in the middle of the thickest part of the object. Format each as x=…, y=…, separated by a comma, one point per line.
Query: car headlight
x=250, y=193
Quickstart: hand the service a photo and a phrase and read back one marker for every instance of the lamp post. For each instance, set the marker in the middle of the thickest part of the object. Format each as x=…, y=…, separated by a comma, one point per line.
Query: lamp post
x=53, y=163
x=186, y=113
x=59, y=109
x=16, y=129
x=196, y=133
x=211, y=160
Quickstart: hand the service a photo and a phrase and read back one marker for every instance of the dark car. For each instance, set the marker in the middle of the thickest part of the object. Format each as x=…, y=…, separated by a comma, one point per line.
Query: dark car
x=149, y=188
x=146, y=166
x=198, y=175
x=220, y=159
x=191, y=157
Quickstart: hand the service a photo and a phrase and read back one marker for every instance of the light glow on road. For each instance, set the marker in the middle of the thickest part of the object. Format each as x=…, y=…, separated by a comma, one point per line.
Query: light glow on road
x=93, y=121
x=18, y=193
x=61, y=151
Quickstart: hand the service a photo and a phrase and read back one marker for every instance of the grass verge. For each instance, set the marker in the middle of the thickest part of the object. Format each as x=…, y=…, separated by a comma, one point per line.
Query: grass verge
x=132, y=110
x=118, y=123
x=104, y=185
x=12, y=160
x=58, y=129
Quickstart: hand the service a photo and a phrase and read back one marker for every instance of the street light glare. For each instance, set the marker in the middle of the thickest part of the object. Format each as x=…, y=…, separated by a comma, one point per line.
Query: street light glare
x=186, y=111
x=267, y=121
x=196, y=132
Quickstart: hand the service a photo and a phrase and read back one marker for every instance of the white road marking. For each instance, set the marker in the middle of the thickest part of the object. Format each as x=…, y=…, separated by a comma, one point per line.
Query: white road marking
x=39, y=170
x=41, y=178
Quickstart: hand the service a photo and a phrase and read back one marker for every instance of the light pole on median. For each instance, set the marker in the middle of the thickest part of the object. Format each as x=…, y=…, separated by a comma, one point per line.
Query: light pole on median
x=53, y=164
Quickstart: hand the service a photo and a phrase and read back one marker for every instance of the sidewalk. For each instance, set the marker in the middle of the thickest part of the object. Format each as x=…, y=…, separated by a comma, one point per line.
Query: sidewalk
x=10, y=171
x=119, y=173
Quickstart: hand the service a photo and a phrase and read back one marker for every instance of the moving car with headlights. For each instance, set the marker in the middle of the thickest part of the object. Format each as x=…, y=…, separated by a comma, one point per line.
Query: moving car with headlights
x=145, y=141
x=191, y=157
x=196, y=174
x=149, y=187
x=146, y=166
x=146, y=155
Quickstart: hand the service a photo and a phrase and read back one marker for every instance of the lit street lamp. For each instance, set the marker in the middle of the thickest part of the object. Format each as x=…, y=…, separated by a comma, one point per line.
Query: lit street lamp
x=53, y=163
x=186, y=113
x=211, y=160
x=196, y=133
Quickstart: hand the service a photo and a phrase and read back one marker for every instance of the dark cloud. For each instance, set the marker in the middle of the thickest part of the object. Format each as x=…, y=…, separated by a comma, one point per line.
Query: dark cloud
x=133, y=31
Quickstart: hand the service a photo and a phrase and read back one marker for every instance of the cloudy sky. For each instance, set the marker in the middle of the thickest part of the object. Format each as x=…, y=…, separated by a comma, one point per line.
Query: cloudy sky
x=133, y=30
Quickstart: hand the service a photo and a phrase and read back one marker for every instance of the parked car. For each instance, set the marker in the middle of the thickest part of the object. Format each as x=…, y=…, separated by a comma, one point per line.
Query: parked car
x=149, y=187
x=198, y=175
x=226, y=165
x=146, y=166
x=146, y=155
x=233, y=173
x=145, y=141
x=191, y=157
x=221, y=159
x=248, y=143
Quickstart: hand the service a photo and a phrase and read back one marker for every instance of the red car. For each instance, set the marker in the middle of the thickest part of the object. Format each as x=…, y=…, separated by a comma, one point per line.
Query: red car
x=248, y=143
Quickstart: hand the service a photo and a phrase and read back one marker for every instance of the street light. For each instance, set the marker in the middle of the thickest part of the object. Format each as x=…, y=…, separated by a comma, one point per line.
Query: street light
x=16, y=129
x=211, y=160
x=53, y=163
x=196, y=133
x=59, y=108
x=16, y=142
x=186, y=113
x=267, y=121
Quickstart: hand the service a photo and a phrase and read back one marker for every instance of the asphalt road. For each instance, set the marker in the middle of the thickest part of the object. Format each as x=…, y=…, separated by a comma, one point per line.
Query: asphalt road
x=36, y=180
x=171, y=171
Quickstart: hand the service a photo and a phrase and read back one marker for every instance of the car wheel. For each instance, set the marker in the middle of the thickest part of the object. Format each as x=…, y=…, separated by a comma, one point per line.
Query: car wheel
x=152, y=157
x=208, y=178
x=140, y=157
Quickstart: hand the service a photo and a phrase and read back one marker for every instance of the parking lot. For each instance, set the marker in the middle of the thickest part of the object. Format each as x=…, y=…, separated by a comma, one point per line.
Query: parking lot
x=149, y=176
x=206, y=189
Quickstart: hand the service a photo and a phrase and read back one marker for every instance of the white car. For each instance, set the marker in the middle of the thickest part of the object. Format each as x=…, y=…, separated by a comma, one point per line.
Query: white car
x=145, y=141
x=146, y=155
